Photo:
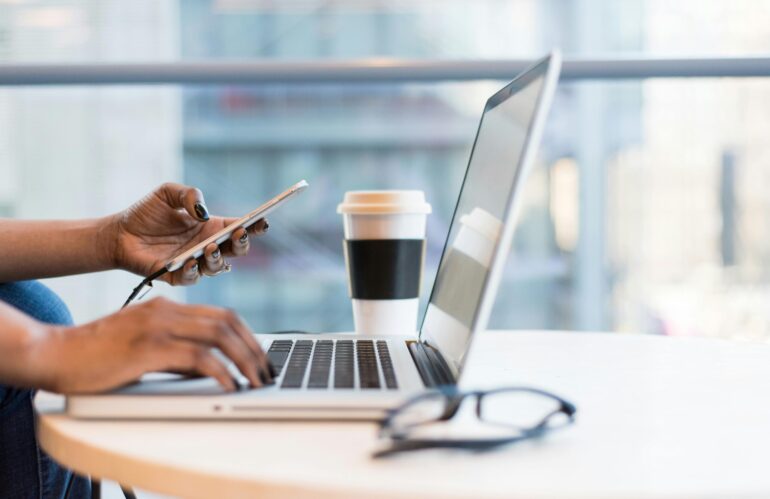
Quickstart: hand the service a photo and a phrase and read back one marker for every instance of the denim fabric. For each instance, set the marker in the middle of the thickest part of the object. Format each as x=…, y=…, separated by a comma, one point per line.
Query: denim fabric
x=25, y=470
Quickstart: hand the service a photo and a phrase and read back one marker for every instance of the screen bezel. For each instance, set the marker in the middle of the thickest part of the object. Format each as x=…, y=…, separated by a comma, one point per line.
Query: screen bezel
x=548, y=68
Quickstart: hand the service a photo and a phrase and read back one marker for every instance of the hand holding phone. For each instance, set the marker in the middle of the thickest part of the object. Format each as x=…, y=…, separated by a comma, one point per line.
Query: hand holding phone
x=220, y=237
x=245, y=221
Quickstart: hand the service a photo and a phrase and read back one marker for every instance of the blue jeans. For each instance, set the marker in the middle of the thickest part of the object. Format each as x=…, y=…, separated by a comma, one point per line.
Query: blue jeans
x=25, y=470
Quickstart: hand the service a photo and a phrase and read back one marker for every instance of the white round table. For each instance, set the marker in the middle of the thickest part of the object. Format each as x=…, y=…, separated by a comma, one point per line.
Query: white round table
x=657, y=417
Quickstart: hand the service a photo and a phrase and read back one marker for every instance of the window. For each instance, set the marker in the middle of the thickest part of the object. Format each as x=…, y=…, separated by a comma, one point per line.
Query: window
x=646, y=211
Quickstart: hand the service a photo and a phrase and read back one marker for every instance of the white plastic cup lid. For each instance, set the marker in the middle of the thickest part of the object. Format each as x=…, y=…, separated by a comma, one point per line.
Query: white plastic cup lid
x=384, y=202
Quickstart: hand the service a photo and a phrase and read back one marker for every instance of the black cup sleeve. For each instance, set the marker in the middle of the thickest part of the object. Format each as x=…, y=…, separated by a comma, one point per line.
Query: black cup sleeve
x=384, y=269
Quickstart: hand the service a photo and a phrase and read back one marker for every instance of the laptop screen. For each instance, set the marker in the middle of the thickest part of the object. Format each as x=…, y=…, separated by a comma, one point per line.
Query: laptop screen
x=494, y=170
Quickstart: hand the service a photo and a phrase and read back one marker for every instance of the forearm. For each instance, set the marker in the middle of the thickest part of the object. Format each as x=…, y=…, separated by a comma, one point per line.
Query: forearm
x=34, y=249
x=21, y=338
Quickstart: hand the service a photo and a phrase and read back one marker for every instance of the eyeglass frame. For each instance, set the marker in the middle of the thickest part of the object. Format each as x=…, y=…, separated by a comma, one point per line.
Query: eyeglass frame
x=454, y=399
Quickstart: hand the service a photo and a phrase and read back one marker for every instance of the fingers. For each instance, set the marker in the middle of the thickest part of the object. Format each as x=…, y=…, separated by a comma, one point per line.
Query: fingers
x=220, y=334
x=160, y=335
x=213, y=261
x=266, y=369
x=209, y=327
x=182, y=196
x=187, y=275
x=259, y=227
x=245, y=349
x=239, y=242
x=191, y=357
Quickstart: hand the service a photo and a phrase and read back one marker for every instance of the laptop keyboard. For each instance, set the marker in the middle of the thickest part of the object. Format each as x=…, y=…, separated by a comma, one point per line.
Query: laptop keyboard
x=344, y=365
x=295, y=371
x=387, y=365
x=333, y=363
x=322, y=363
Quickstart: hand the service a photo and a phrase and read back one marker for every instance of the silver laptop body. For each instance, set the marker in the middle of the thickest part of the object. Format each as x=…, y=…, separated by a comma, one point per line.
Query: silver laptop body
x=344, y=376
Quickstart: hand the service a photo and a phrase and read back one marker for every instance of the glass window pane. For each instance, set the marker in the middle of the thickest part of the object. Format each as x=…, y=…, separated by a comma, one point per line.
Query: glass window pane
x=646, y=211
x=150, y=30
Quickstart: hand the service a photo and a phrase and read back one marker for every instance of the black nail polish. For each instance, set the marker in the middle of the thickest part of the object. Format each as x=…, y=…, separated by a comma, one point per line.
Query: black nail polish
x=244, y=238
x=194, y=269
x=271, y=367
x=215, y=255
x=201, y=211
x=267, y=226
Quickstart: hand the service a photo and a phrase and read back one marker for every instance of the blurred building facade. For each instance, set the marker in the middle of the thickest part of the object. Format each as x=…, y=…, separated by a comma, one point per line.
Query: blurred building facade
x=646, y=211
x=391, y=136
x=74, y=152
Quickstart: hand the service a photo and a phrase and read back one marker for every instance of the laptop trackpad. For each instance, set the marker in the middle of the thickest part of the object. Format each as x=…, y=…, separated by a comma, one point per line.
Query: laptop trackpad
x=172, y=384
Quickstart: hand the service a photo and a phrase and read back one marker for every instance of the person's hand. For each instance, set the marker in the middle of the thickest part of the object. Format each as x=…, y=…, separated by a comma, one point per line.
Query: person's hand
x=157, y=335
x=173, y=218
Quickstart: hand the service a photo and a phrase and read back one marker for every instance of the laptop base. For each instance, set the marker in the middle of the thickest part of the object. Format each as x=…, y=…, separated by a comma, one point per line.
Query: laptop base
x=164, y=396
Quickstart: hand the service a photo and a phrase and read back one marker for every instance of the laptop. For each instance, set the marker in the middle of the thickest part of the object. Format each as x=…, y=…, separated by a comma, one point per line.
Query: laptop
x=344, y=376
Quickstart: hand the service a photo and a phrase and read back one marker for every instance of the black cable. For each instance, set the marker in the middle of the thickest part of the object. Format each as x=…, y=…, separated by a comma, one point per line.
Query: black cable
x=69, y=485
x=128, y=493
x=146, y=282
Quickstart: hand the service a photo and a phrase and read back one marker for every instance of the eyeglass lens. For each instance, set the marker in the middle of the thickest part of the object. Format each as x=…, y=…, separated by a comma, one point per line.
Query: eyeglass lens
x=425, y=409
x=520, y=409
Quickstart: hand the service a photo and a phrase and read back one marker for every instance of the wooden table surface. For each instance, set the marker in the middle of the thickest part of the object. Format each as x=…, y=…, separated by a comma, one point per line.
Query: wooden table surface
x=657, y=417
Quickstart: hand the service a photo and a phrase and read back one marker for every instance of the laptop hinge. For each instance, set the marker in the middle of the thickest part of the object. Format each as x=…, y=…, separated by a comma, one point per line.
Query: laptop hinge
x=431, y=365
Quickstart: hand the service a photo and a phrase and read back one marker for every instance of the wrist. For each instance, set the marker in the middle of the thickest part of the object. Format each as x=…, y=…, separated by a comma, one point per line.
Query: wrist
x=40, y=353
x=108, y=242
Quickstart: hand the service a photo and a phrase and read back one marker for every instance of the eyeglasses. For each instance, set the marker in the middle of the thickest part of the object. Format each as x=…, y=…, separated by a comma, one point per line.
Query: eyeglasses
x=502, y=416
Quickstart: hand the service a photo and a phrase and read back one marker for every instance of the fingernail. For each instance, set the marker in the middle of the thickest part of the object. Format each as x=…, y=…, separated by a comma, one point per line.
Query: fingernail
x=194, y=269
x=266, y=378
x=215, y=254
x=201, y=211
x=271, y=367
x=267, y=226
x=236, y=384
x=244, y=238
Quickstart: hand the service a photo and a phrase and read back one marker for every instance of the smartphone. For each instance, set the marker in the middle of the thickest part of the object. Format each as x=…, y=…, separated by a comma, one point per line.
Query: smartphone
x=245, y=221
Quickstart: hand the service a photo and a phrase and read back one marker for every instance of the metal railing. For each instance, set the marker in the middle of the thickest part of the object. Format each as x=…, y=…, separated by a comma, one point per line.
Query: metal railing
x=370, y=71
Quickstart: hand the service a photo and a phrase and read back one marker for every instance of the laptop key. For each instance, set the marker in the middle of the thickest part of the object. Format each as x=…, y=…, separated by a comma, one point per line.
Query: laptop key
x=278, y=353
x=321, y=366
x=343, y=364
x=387, y=365
x=298, y=361
x=368, y=374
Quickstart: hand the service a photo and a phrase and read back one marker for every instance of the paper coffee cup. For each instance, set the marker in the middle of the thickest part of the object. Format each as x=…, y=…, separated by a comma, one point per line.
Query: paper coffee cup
x=384, y=254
